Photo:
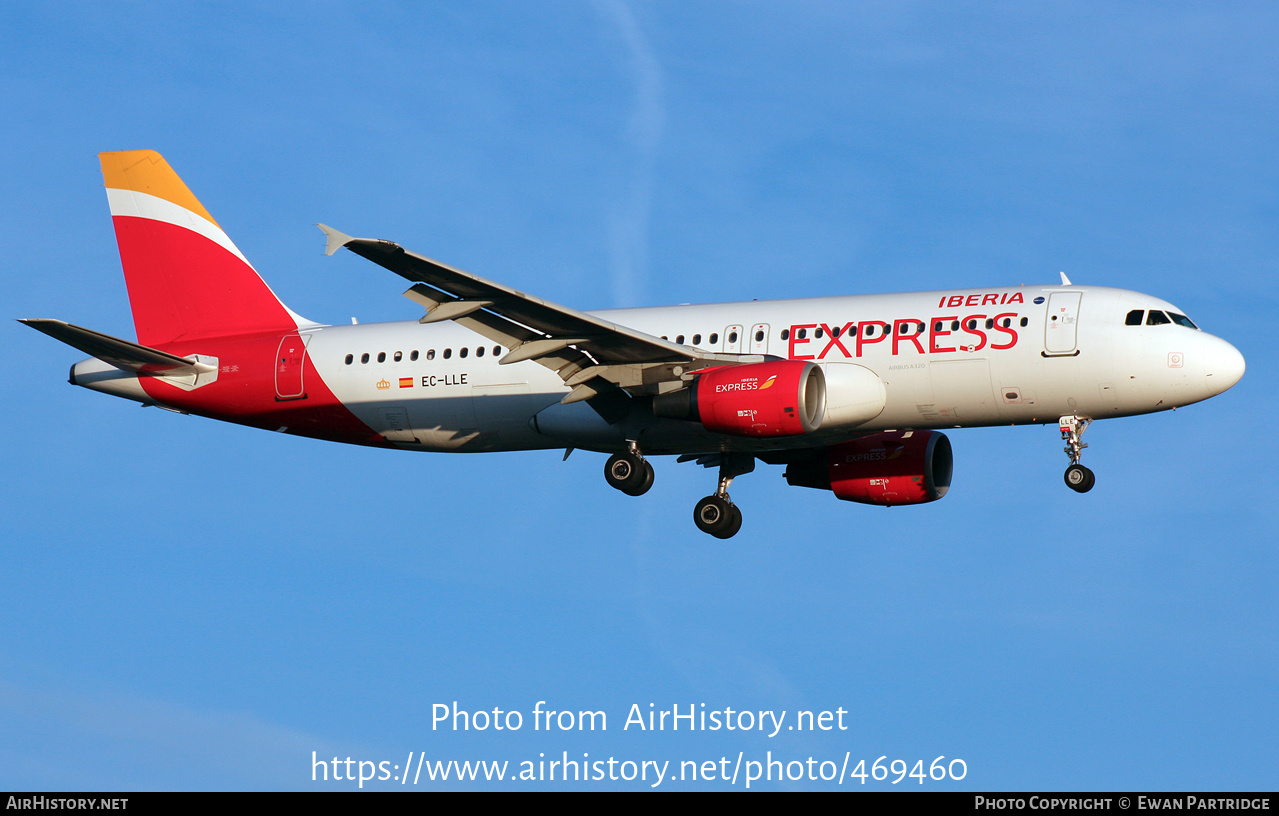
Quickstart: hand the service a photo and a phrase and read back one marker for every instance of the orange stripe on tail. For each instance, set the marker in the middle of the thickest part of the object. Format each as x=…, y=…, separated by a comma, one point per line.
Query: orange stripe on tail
x=145, y=171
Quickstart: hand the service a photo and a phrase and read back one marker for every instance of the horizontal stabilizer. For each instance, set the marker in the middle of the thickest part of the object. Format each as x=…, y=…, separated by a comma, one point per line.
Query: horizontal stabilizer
x=122, y=354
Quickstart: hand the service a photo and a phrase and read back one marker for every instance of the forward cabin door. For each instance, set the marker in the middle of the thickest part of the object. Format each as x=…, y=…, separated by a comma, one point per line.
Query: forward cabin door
x=1061, y=323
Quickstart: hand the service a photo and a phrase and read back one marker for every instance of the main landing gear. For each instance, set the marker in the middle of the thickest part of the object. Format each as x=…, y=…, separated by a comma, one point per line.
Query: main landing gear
x=629, y=472
x=717, y=515
x=1078, y=478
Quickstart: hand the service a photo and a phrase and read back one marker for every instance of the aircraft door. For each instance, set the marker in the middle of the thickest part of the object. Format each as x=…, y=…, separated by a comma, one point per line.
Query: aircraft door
x=759, y=338
x=290, y=358
x=1061, y=323
x=732, y=339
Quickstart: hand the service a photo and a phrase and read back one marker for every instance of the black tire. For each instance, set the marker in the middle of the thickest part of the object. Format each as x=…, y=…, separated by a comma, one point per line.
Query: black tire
x=647, y=482
x=718, y=517
x=1079, y=478
x=734, y=525
x=628, y=473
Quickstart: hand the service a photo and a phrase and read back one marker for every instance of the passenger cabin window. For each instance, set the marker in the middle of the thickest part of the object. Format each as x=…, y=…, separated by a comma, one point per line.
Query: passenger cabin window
x=732, y=337
x=714, y=338
x=448, y=353
x=679, y=338
x=430, y=354
x=497, y=350
x=1134, y=317
x=399, y=355
x=364, y=358
x=1156, y=318
x=350, y=359
x=381, y=356
x=759, y=335
x=697, y=339
x=785, y=334
x=413, y=355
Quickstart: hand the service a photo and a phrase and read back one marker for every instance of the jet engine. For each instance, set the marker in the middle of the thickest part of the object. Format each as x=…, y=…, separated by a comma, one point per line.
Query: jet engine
x=779, y=398
x=854, y=395
x=896, y=467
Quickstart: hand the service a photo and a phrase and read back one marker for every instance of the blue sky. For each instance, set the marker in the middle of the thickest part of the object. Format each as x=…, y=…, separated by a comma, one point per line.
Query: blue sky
x=191, y=605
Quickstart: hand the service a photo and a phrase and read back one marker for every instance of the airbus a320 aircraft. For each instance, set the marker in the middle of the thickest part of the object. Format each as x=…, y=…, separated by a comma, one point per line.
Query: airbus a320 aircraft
x=848, y=393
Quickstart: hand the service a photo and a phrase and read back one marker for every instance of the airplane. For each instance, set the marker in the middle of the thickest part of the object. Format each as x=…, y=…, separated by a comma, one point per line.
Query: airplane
x=849, y=393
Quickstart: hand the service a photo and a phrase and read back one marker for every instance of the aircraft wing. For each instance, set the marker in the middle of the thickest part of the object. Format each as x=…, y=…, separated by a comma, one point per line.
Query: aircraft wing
x=590, y=354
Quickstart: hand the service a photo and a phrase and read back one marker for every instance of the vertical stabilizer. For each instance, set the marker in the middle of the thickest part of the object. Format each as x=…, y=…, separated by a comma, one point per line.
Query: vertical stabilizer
x=186, y=279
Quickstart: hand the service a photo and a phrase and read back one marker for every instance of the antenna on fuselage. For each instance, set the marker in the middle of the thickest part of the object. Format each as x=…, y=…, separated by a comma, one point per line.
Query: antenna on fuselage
x=1065, y=281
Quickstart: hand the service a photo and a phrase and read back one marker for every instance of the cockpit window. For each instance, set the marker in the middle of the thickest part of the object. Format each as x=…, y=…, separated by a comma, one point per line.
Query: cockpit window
x=1134, y=317
x=1156, y=318
x=1182, y=320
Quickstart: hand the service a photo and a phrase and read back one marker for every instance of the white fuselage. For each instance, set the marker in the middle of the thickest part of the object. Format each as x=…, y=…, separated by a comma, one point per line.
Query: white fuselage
x=983, y=357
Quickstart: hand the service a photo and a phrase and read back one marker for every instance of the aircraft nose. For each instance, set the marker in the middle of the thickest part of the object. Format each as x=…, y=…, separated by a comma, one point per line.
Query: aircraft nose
x=1225, y=365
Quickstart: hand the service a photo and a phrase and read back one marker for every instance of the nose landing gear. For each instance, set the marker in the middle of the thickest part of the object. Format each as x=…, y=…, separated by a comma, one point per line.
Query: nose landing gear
x=1078, y=478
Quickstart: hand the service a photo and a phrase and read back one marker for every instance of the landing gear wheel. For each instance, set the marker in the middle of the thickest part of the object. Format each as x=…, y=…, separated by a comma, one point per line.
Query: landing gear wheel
x=736, y=524
x=717, y=516
x=643, y=486
x=629, y=474
x=1080, y=479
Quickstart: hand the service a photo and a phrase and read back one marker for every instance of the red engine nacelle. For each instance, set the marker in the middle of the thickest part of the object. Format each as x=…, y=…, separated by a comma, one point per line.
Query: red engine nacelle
x=897, y=467
x=782, y=398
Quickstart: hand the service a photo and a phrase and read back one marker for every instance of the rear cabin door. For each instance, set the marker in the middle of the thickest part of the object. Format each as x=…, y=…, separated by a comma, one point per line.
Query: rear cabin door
x=290, y=360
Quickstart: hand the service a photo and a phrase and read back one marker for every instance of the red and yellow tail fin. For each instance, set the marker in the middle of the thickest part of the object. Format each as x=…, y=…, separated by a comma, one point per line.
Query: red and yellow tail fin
x=186, y=278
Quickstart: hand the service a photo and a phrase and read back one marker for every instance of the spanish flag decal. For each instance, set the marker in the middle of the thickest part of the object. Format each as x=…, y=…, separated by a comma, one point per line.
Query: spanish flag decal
x=406, y=382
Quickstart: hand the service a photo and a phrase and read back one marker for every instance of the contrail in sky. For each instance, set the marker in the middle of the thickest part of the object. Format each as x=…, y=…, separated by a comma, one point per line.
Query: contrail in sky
x=629, y=225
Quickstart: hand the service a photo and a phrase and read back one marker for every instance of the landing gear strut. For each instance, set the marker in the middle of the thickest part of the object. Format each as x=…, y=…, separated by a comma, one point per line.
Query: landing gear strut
x=1078, y=478
x=717, y=515
x=629, y=472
